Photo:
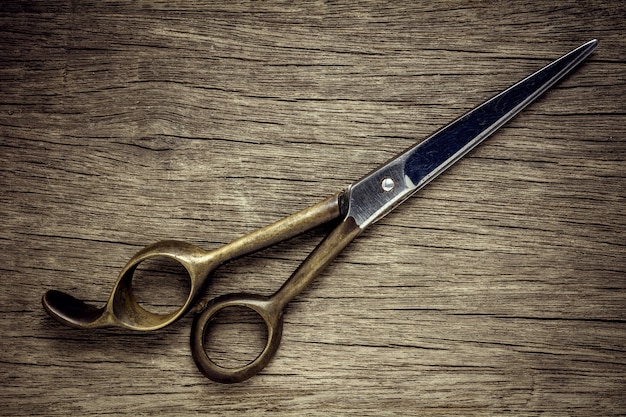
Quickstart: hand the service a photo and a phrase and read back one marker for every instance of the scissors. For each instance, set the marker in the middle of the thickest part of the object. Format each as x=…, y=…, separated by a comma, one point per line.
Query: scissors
x=353, y=209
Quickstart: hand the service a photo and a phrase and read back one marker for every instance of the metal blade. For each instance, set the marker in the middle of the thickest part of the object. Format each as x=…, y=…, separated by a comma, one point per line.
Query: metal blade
x=378, y=193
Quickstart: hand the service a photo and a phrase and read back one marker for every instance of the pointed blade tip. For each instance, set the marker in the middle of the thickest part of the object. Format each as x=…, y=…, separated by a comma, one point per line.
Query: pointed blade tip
x=591, y=45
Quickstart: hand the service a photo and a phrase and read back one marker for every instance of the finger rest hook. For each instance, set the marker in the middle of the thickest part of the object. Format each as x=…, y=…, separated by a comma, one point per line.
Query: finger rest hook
x=122, y=309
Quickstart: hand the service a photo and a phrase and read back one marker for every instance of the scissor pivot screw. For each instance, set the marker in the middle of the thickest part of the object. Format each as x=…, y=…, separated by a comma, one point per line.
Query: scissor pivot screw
x=387, y=184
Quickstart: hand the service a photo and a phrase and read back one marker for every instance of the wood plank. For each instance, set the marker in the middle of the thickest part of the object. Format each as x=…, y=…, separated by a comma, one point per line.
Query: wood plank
x=499, y=289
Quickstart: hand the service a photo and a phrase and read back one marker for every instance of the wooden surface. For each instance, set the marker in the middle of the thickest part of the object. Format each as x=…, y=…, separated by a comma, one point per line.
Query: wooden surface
x=501, y=289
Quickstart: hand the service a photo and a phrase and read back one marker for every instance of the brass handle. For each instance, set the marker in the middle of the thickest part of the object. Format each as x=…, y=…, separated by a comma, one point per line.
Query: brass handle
x=122, y=309
x=269, y=308
x=265, y=307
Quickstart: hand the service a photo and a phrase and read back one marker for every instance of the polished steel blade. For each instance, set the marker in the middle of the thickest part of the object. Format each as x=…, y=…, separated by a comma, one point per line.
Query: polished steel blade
x=381, y=191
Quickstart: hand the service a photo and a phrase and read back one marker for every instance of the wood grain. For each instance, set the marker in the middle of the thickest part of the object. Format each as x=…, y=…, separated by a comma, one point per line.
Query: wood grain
x=501, y=289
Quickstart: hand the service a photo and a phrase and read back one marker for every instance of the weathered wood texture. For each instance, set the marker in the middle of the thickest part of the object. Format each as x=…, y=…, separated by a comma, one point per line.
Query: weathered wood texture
x=500, y=289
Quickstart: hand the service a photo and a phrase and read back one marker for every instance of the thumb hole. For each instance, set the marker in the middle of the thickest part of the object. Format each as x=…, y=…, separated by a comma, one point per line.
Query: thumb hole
x=235, y=337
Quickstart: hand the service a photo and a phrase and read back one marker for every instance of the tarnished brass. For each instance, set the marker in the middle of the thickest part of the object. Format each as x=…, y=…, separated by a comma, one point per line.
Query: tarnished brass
x=269, y=308
x=123, y=310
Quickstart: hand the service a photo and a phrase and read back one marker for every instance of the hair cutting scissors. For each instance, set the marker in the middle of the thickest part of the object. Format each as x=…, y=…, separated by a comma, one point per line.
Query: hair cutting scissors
x=357, y=207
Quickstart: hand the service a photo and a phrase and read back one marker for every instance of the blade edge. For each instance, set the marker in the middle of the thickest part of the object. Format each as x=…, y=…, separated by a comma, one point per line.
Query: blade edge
x=371, y=198
x=426, y=161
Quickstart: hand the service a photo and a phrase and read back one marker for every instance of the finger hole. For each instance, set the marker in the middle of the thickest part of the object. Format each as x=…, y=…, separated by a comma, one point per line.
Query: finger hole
x=161, y=285
x=235, y=337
